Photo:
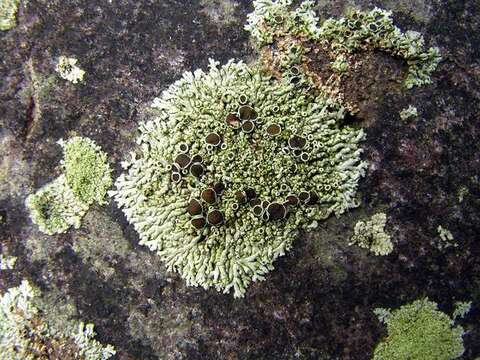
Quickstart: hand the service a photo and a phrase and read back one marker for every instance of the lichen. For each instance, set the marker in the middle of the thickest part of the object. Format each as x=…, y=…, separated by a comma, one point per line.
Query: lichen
x=371, y=235
x=7, y=262
x=63, y=202
x=230, y=169
x=462, y=308
x=86, y=169
x=68, y=69
x=54, y=208
x=25, y=335
x=278, y=23
x=446, y=238
x=409, y=112
x=8, y=14
x=419, y=331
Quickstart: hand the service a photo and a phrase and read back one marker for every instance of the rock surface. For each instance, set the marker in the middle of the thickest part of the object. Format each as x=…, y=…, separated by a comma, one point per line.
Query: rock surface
x=318, y=302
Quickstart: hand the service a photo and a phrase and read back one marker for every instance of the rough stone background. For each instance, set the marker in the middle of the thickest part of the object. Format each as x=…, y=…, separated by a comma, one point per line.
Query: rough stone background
x=318, y=302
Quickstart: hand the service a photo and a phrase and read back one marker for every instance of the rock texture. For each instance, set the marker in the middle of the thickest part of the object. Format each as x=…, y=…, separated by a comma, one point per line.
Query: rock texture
x=318, y=302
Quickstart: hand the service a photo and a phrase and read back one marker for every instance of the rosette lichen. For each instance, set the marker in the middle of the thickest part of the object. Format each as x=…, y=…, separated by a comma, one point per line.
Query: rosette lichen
x=236, y=160
x=63, y=202
x=25, y=335
x=232, y=165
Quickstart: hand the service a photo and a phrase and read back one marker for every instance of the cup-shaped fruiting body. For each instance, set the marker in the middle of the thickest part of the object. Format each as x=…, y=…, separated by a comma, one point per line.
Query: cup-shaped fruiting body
x=233, y=120
x=241, y=197
x=297, y=142
x=276, y=211
x=198, y=222
x=223, y=227
x=194, y=207
x=242, y=99
x=215, y=217
x=274, y=129
x=292, y=199
x=213, y=139
x=183, y=160
x=258, y=210
x=246, y=112
x=183, y=147
x=219, y=187
x=176, y=177
x=209, y=196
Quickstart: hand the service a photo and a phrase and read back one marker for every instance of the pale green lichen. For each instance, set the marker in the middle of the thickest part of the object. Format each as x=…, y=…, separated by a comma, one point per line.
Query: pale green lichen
x=68, y=69
x=419, y=331
x=54, y=208
x=290, y=161
x=462, y=192
x=340, y=64
x=462, y=308
x=371, y=235
x=25, y=335
x=7, y=262
x=446, y=238
x=408, y=113
x=63, y=202
x=8, y=14
x=357, y=31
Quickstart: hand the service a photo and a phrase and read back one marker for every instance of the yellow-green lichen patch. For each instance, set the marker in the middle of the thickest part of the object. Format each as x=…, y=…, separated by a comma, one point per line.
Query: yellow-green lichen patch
x=419, y=331
x=8, y=14
x=86, y=169
x=63, y=202
x=25, y=335
x=371, y=235
x=233, y=164
x=68, y=69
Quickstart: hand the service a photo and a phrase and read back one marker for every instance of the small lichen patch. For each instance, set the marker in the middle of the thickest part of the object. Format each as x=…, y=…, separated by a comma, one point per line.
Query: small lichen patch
x=371, y=235
x=7, y=262
x=462, y=308
x=8, y=14
x=86, y=169
x=419, y=331
x=231, y=167
x=408, y=113
x=63, y=202
x=68, y=69
x=25, y=335
x=54, y=208
x=220, y=12
x=446, y=238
